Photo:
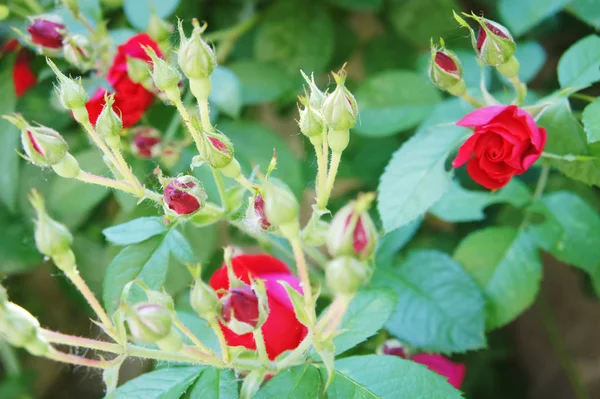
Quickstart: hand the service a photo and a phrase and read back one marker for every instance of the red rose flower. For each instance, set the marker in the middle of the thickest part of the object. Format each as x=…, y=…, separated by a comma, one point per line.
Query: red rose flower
x=131, y=99
x=454, y=372
x=46, y=33
x=282, y=331
x=505, y=143
x=23, y=77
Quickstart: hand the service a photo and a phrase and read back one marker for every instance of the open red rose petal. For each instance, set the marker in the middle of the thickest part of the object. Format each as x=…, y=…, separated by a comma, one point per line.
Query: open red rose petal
x=282, y=331
x=506, y=141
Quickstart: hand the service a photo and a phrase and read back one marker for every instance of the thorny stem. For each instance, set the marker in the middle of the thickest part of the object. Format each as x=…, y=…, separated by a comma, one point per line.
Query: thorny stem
x=204, y=114
x=541, y=184
x=214, y=324
x=99, y=143
x=188, y=124
x=128, y=173
x=105, y=181
x=245, y=183
x=338, y=314
x=321, y=168
x=76, y=360
x=176, y=119
x=81, y=342
x=107, y=323
x=191, y=336
x=323, y=198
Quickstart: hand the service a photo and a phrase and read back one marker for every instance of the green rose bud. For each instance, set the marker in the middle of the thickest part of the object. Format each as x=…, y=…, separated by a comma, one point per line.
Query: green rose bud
x=345, y=275
x=78, y=51
x=70, y=91
x=281, y=207
x=148, y=322
x=311, y=122
x=21, y=329
x=196, y=58
x=217, y=149
x=159, y=29
x=339, y=107
x=68, y=167
x=109, y=125
x=51, y=237
x=165, y=76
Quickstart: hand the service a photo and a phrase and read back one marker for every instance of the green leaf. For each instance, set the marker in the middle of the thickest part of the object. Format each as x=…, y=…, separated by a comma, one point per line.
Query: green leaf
x=71, y=201
x=391, y=243
x=180, y=247
x=297, y=382
x=388, y=52
x=9, y=138
x=254, y=144
x=17, y=245
x=393, y=101
x=387, y=377
x=147, y=261
x=532, y=57
x=505, y=263
x=586, y=10
x=297, y=300
x=226, y=91
x=200, y=328
x=448, y=112
x=569, y=231
x=138, y=12
x=136, y=230
x=261, y=82
x=278, y=40
x=214, y=383
x=521, y=16
x=579, y=66
x=366, y=315
x=416, y=177
x=460, y=205
x=591, y=121
x=418, y=21
x=440, y=308
x=164, y=383
x=358, y=5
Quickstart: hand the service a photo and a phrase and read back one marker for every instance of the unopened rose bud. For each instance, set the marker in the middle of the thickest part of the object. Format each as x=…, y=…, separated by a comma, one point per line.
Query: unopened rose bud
x=184, y=195
x=139, y=71
x=203, y=299
x=78, y=52
x=240, y=309
x=146, y=142
x=68, y=167
x=345, y=275
x=445, y=70
x=51, y=237
x=217, y=149
x=280, y=205
x=196, y=58
x=47, y=33
x=165, y=76
x=339, y=107
x=109, y=124
x=311, y=122
x=169, y=155
x=43, y=146
x=259, y=208
x=315, y=96
x=159, y=29
x=21, y=329
x=70, y=91
x=352, y=232
x=148, y=322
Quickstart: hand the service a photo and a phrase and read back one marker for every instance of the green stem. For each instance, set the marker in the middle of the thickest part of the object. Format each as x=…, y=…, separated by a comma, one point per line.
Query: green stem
x=568, y=157
x=176, y=119
x=72, y=340
x=294, y=356
x=105, y=181
x=191, y=336
x=259, y=340
x=76, y=360
x=583, y=97
x=204, y=110
x=221, y=189
x=245, y=183
x=541, y=184
x=520, y=90
x=321, y=168
x=186, y=119
x=323, y=198
x=304, y=278
x=471, y=100
x=214, y=324
x=10, y=361
x=557, y=344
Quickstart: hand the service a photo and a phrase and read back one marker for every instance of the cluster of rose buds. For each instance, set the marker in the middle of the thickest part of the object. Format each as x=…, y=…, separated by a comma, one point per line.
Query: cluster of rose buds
x=351, y=241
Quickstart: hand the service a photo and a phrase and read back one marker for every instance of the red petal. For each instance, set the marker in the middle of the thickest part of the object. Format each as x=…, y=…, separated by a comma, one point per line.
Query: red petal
x=483, y=178
x=483, y=116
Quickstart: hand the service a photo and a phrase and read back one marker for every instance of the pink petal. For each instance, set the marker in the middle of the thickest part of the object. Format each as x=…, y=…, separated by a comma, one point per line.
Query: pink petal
x=483, y=116
x=454, y=372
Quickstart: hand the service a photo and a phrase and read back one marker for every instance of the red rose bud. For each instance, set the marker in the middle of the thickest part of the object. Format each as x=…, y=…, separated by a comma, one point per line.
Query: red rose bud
x=352, y=231
x=259, y=208
x=240, y=309
x=445, y=71
x=345, y=275
x=183, y=196
x=196, y=58
x=109, y=124
x=454, y=372
x=506, y=141
x=146, y=142
x=218, y=149
x=21, y=329
x=494, y=44
x=78, y=52
x=46, y=33
x=339, y=109
x=149, y=323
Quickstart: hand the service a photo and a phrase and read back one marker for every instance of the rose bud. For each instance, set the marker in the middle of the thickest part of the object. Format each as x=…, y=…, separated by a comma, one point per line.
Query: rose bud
x=46, y=33
x=196, y=58
x=159, y=29
x=71, y=93
x=256, y=218
x=345, y=275
x=340, y=110
x=240, y=309
x=505, y=142
x=311, y=122
x=146, y=142
x=454, y=372
x=183, y=196
x=315, y=96
x=203, y=299
x=78, y=52
x=280, y=205
x=165, y=76
x=217, y=149
x=352, y=232
x=43, y=146
x=148, y=322
x=445, y=71
x=21, y=329
x=138, y=72
x=109, y=124
x=493, y=44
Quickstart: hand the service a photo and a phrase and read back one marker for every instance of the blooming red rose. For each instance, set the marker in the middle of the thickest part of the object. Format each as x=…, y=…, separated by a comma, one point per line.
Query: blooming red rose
x=454, y=372
x=131, y=99
x=506, y=142
x=282, y=330
x=23, y=77
x=46, y=33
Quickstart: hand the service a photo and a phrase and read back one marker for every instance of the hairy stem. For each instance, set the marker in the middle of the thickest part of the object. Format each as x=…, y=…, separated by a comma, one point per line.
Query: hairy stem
x=520, y=90
x=471, y=100
x=568, y=157
x=221, y=189
x=323, y=198
x=321, y=168
x=81, y=342
x=105, y=181
x=214, y=324
x=303, y=274
x=191, y=336
x=76, y=360
x=259, y=340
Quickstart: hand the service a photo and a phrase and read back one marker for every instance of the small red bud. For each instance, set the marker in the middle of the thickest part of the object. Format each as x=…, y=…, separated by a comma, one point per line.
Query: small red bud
x=259, y=208
x=146, y=142
x=445, y=62
x=242, y=305
x=482, y=35
x=46, y=33
x=184, y=195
